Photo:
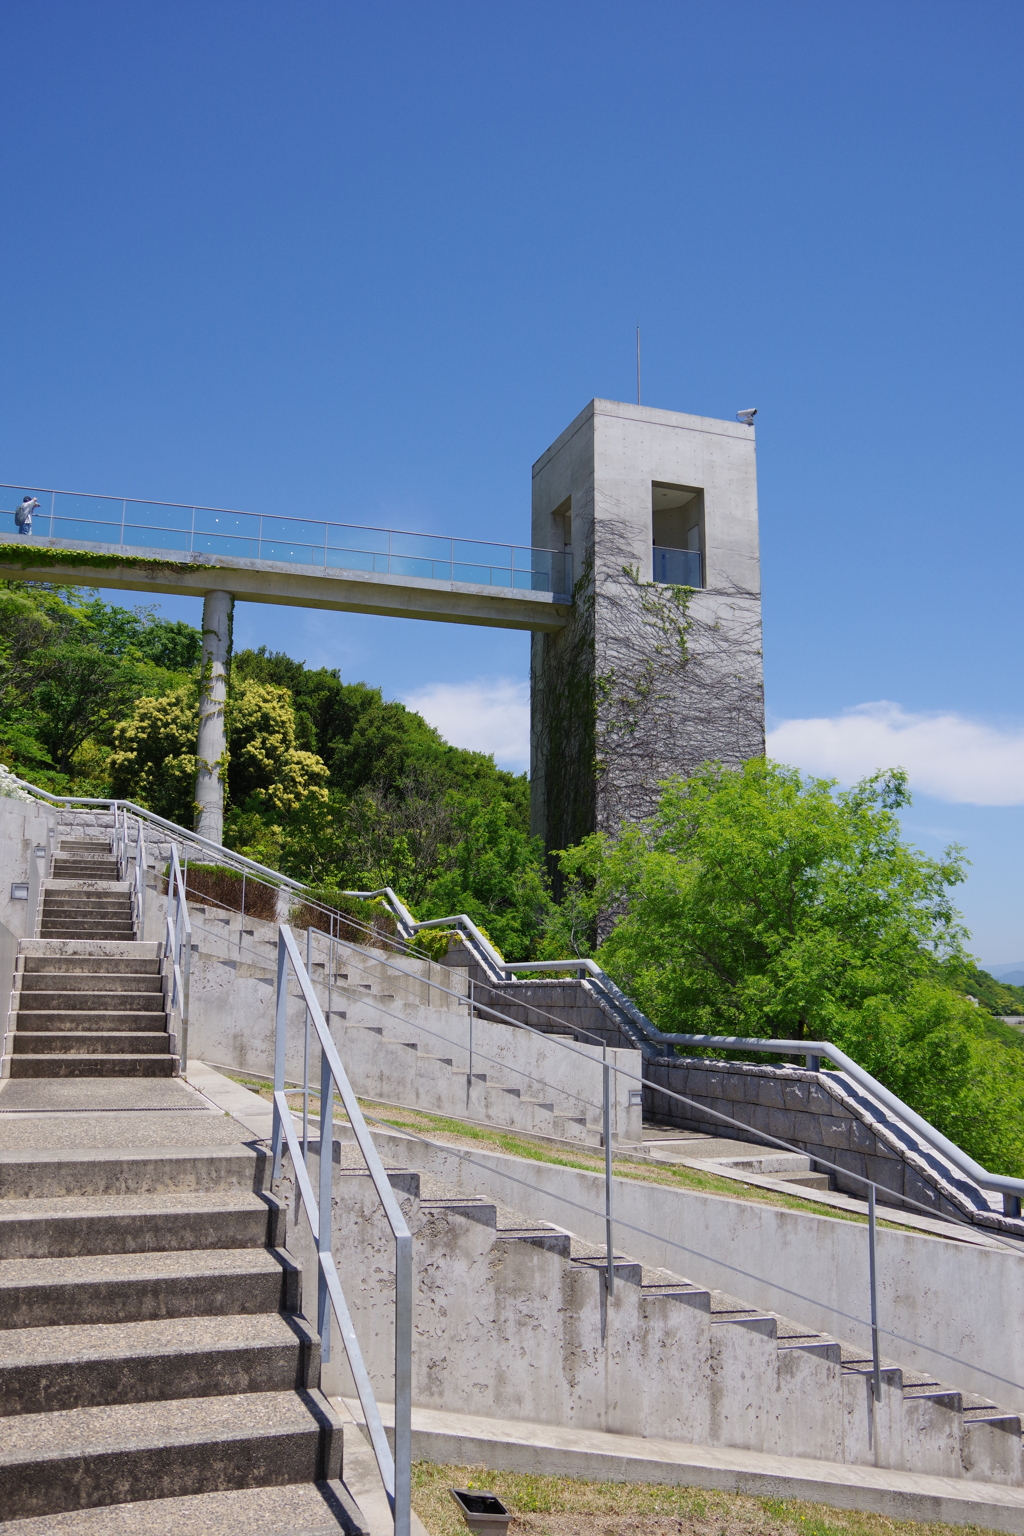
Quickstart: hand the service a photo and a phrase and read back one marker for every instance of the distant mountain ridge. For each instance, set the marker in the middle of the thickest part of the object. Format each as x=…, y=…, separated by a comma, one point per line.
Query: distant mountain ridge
x=1012, y=971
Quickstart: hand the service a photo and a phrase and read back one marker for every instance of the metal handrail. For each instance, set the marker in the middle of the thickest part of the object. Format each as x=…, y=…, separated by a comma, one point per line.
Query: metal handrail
x=178, y=944
x=491, y=961
x=654, y=1043
x=182, y=834
x=395, y=1470
x=814, y=1050
x=247, y=534
x=177, y=927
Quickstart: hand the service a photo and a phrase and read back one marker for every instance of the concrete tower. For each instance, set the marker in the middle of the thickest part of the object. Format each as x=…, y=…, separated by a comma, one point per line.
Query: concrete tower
x=660, y=668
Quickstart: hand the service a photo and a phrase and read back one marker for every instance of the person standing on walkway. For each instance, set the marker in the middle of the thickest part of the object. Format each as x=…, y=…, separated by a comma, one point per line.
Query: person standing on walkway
x=23, y=515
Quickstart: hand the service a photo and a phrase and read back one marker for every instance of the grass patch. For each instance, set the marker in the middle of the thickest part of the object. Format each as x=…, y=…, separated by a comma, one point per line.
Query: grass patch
x=460, y=1133
x=567, y=1506
x=34, y=556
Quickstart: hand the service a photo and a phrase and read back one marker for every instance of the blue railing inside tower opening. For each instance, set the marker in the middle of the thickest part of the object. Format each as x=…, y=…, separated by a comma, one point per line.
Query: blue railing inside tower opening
x=129, y=524
x=677, y=567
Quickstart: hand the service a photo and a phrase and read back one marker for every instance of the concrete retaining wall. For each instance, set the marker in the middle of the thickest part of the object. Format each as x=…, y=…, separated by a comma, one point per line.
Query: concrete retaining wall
x=22, y=826
x=954, y=1309
x=515, y=1320
x=403, y=1030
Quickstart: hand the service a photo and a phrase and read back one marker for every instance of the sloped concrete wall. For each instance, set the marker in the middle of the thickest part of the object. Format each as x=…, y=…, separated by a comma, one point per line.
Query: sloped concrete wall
x=950, y=1308
x=509, y=1322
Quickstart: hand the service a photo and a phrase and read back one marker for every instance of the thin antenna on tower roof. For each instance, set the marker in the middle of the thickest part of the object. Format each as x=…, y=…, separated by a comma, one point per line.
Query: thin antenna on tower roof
x=638, y=365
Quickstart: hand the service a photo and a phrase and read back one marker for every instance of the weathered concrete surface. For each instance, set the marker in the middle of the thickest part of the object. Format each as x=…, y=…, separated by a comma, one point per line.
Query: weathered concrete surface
x=822, y=1115
x=402, y=1027
x=948, y=1308
x=23, y=826
x=515, y=1317
x=515, y=1445
x=643, y=682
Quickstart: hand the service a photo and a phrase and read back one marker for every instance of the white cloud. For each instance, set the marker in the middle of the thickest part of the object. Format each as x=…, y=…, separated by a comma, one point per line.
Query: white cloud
x=946, y=755
x=485, y=715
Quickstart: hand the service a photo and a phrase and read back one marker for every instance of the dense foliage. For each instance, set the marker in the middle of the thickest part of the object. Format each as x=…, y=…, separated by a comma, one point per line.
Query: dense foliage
x=325, y=779
x=757, y=902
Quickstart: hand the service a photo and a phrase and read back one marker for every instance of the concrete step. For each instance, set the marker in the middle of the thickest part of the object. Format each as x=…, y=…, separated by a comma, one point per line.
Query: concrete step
x=71, y=1225
x=90, y=918
x=67, y=1042
x=91, y=981
x=49, y=1370
x=116, y=910
x=93, y=1066
x=86, y=1002
x=85, y=1457
x=84, y=884
x=95, y=855
x=70, y=949
x=69, y=1021
x=103, y=870
x=129, y=1288
x=85, y=903
x=137, y=1171
x=66, y=869
x=87, y=965
x=294, y=1509
x=86, y=887
x=88, y=931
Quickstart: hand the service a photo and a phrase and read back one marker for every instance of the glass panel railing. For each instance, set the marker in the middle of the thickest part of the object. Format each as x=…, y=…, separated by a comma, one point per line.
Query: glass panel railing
x=678, y=567
x=75, y=518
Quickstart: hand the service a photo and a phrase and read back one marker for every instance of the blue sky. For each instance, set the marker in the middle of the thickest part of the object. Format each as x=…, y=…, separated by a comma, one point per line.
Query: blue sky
x=367, y=262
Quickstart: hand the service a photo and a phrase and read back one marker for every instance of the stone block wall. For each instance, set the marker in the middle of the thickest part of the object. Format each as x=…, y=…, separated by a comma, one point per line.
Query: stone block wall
x=819, y=1114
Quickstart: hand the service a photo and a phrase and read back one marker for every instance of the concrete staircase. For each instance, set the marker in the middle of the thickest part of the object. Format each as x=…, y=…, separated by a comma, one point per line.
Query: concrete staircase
x=403, y=1036
x=88, y=999
x=83, y=898
x=691, y=1364
x=155, y=1366
x=667, y=1144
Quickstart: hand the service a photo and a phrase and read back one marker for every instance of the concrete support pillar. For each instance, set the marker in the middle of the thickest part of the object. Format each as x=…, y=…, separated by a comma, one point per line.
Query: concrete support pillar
x=212, y=744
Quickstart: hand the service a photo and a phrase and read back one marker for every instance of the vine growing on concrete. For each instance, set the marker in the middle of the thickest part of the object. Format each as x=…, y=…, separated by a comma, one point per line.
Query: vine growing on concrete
x=564, y=719
x=647, y=681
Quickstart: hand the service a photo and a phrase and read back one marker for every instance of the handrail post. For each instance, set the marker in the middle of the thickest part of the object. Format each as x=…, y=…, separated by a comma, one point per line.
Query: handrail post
x=305, y=1062
x=876, y=1369
x=607, y=1111
x=325, y=1203
x=140, y=880
x=280, y=1021
x=403, y=1384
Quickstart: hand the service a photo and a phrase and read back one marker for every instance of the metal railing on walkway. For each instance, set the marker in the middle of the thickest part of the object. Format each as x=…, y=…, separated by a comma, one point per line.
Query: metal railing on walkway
x=395, y=1470
x=135, y=525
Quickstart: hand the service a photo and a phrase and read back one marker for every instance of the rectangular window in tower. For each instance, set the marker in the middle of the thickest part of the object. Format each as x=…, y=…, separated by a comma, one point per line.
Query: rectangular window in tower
x=677, y=534
x=561, y=547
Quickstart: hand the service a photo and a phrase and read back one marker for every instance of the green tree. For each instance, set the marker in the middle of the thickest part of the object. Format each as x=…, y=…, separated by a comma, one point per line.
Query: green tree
x=264, y=763
x=78, y=690
x=496, y=876
x=71, y=666
x=758, y=902
x=154, y=757
x=153, y=761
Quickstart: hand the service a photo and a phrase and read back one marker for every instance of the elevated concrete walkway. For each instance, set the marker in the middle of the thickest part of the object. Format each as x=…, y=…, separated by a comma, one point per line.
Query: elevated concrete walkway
x=291, y=585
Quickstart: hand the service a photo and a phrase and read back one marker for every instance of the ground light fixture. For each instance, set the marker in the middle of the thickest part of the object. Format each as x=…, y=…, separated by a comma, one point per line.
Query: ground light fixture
x=483, y=1512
